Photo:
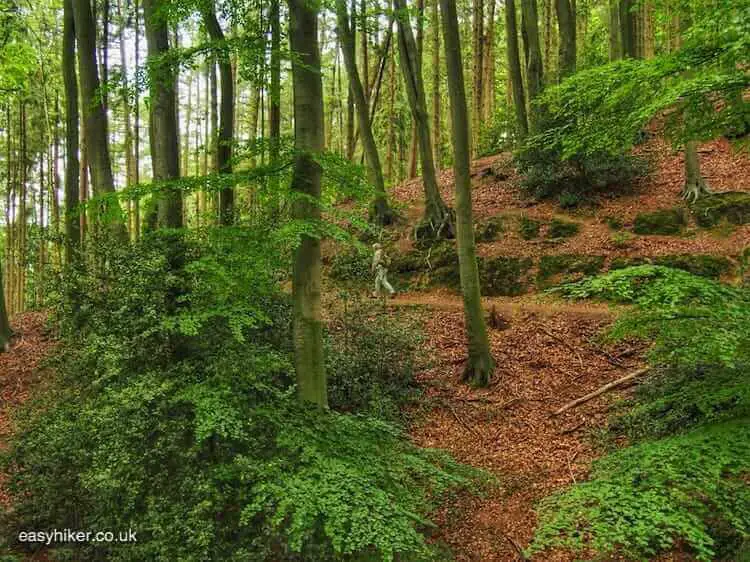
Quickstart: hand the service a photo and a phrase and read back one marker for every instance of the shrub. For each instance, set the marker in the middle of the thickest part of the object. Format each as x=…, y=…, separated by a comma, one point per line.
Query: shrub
x=529, y=228
x=562, y=229
x=667, y=221
x=704, y=265
x=489, y=230
x=621, y=240
x=352, y=265
x=613, y=223
x=503, y=276
x=733, y=207
x=567, y=265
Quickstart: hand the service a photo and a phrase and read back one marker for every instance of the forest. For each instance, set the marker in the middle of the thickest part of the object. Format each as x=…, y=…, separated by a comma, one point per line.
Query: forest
x=375, y=280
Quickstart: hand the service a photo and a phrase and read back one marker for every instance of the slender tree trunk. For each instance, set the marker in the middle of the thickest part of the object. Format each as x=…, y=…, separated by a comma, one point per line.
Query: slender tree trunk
x=534, y=78
x=627, y=29
x=514, y=68
x=226, y=128
x=615, y=44
x=695, y=186
x=165, y=156
x=94, y=115
x=137, y=125
x=649, y=37
x=381, y=211
x=477, y=74
x=437, y=218
x=274, y=112
x=480, y=364
x=5, y=332
x=306, y=180
x=566, y=21
x=488, y=79
x=72, y=165
x=436, y=102
x=55, y=186
x=413, y=152
x=391, y=108
x=126, y=109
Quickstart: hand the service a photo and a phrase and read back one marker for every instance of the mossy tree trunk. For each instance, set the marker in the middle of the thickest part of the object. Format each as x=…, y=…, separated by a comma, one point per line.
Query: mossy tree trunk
x=381, y=211
x=695, y=185
x=165, y=156
x=437, y=217
x=480, y=364
x=306, y=182
x=514, y=68
x=534, y=65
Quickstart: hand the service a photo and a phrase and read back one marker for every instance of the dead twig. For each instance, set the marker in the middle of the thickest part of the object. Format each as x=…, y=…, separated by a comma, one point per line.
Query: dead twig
x=515, y=545
x=601, y=390
x=461, y=421
x=573, y=429
x=562, y=341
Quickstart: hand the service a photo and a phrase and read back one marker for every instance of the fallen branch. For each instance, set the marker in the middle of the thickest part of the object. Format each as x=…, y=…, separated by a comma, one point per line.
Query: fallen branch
x=515, y=545
x=602, y=390
x=462, y=422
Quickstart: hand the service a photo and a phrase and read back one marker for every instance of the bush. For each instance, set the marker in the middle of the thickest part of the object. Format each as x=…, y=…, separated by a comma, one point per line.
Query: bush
x=734, y=207
x=489, y=230
x=503, y=276
x=529, y=228
x=351, y=265
x=667, y=221
x=562, y=229
x=567, y=266
x=704, y=265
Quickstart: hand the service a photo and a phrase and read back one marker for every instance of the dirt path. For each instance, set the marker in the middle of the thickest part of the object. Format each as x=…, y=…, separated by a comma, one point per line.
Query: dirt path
x=546, y=357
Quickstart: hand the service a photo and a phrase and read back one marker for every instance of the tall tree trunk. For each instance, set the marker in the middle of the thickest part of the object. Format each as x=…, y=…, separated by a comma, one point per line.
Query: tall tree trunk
x=413, y=153
x=695, y=185
x=5, y=332
x=436, y=102
x=514, y=68
x=126, y=109
x=350, y=139
x=391, y=127
x=165, y=157
x=534, y=78
x=437, y=218
x=627, y=29
x=477, y=71
x=137, y=125
x=306, y=180
x=488, y=79
x=615, y=43
x=649, y=37
x=94, y=114
x=381, y=211
x=274, y=112
x=226, y=127
x=72, y=165
x=566, y=21
x=480, y=364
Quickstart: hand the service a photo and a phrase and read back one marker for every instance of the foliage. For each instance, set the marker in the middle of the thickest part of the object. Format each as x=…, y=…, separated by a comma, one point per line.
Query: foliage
x=559, y=228
x=734, y=207
x=351, y=264
x=567, y=264
x=503, y=276
x=529, y=228
x=665, y=221
x=489, y=230
x=173, y=413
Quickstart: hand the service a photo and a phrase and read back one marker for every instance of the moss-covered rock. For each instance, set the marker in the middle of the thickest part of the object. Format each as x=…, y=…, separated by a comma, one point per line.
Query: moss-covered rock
x=733, y=206
x=529, y=228
x=489, y=230
x=504, y=276
x=562, y=229
x=567, y=267
x=698, y=264
x=666, y=221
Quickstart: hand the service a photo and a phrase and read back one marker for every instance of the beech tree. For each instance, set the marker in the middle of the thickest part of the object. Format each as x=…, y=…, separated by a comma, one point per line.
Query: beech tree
x=480, y=364
x=514, y=68
x=70, y=79
x=309, y=140
x=5, y=332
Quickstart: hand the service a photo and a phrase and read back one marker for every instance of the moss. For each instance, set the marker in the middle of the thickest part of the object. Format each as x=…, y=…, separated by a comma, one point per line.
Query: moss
x=733, y=206
x=529, y=228
x=613, y=223
x=504, y=276
x=697, y=264
x=622, y=263
x=666, y=221
x=489, y=230
x=562, y=229
x=567, y=267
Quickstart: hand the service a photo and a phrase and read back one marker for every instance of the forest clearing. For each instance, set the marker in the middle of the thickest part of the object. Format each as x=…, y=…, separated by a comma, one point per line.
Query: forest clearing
x=369, y=280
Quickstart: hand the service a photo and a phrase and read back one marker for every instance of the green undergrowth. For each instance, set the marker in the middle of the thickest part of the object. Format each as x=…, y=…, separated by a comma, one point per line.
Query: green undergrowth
x=682, y=480
x=173, y=412
x=666, y=221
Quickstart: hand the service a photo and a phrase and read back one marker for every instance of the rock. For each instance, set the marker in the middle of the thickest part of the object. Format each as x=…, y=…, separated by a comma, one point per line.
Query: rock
x=733, y=206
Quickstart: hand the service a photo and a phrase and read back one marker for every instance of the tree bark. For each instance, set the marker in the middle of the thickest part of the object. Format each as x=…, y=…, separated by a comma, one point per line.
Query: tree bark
x=381, y=211
x=514, y=68
x=94, y=114
x=480, y=364
x=566, y=21
x=477, y=71
x=437, y=217
x=306, y=181
x=226, y=126
x=615, y=44
x=627, y=29
x=72, y=221
x=695, y=186
x=488, y=80
x=413, y=147
x=5, y=332
x=274, y=112
x=534, y=78
x=436, y=119
x=165, y=156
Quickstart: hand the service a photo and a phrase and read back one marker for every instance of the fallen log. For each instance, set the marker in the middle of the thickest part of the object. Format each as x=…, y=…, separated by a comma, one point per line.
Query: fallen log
x=601, y=390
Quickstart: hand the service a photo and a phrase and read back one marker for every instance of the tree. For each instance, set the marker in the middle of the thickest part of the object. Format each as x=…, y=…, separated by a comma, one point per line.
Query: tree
x=165, y=156
x=70, y=79
x=695, y=185
x=566, y=19
x=532, y=50
x=480, y=364
x=477, y=71
x=94, y=114
x=626, y=18
x=226, y=126
x=306, y=185
x=437, y=217
x=381, y=211
x=274, y=111
x=436, y=120
x=514, y=68
x=5, y=332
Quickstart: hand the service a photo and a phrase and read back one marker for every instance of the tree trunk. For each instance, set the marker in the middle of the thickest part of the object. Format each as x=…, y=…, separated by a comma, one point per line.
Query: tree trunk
x=627, y=29
x=129, y=156
x=381, y=211
x=226, y=127
x=695, y=186
x=514, y=68
x=477, y=71
x=165, y=156
x=413, y=152
x=274, y=113
x=437, y=218
x=5, y=331
x=436, y=120
x=306, y=180
x=615, y=43
x=350, y=144
x=566, y=21
x=391, y=104
x=94, y=114
x=72, y=221
x=137, y=125
x=480, y=364
x=488, y=80
x=534, y=78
